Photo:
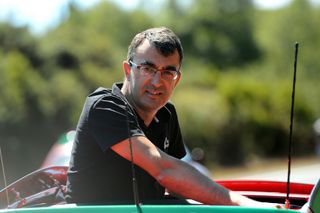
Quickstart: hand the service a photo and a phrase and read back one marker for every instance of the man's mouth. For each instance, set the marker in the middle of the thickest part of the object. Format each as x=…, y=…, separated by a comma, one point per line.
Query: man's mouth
x=153, y=92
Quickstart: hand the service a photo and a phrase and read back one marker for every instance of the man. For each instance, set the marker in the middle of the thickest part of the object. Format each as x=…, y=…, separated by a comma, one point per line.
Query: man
x=134, y=122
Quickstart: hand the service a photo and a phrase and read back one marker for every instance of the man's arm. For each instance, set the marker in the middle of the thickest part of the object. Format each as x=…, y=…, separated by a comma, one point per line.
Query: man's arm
x=178, y=176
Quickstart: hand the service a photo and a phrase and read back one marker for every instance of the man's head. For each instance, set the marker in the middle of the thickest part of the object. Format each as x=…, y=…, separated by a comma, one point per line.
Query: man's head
x=152, y=69
x=162, y=38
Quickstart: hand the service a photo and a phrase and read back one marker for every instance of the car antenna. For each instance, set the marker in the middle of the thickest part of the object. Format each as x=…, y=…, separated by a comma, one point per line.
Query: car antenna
x=4, y=177
x=287, y=202
x=133, y=170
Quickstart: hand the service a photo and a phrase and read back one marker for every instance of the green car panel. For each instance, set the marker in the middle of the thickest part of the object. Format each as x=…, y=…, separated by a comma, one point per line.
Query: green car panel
x=144, y=209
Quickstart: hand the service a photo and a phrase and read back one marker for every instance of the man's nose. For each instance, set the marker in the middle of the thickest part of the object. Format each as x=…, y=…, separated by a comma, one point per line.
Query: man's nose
x=156, y=78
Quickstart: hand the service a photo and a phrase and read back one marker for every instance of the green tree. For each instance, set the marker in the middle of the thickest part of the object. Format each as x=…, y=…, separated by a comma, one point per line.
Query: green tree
x=218, y=32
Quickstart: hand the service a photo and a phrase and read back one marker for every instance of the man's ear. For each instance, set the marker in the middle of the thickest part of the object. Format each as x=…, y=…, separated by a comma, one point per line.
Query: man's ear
x=126, y=69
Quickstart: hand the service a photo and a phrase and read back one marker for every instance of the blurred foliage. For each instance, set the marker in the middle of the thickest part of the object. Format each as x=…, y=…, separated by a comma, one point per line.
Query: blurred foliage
x=218, y=32
x=235, y=92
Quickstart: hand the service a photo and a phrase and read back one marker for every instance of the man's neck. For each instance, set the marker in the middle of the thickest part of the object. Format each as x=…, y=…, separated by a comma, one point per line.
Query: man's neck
x=146, y=116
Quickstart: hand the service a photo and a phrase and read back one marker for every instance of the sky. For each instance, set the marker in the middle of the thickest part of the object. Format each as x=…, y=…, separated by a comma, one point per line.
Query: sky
x=41, y=15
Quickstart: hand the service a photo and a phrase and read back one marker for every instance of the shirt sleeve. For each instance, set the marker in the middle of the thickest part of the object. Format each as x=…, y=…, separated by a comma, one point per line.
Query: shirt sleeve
x=111, y=121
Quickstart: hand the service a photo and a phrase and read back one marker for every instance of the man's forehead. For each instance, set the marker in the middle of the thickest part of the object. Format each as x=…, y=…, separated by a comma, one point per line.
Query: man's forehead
x=148, y=52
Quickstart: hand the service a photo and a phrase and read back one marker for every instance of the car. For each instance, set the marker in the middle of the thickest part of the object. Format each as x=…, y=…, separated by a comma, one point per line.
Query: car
x=42, y=191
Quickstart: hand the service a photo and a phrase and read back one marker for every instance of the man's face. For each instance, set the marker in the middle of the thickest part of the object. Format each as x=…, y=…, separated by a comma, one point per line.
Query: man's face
x=150, y=93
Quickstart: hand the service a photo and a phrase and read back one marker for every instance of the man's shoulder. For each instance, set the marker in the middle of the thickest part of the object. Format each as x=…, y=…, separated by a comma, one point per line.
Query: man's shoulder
x=100, y=92
x=103, y=93
x=102, y=96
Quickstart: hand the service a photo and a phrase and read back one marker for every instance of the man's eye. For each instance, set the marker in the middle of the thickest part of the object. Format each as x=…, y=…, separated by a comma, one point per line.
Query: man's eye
x=168, y=73
x=147, y=69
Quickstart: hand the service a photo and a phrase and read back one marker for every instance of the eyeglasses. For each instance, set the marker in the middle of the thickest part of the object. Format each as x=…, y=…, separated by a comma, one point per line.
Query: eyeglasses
x=149, y=70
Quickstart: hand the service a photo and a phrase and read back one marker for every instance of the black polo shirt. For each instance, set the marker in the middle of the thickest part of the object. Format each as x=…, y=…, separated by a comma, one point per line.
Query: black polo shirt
x=99, y=175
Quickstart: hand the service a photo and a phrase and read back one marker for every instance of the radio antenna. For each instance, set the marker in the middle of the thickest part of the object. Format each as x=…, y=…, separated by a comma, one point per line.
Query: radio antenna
x=133, y=170
x=4, y=177
x=287, y=202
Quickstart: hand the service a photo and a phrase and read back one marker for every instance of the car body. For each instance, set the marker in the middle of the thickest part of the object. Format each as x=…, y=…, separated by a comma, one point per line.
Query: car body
x=43, y=191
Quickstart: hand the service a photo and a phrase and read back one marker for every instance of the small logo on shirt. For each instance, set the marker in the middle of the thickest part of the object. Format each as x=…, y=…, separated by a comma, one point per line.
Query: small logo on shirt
x=166, y=144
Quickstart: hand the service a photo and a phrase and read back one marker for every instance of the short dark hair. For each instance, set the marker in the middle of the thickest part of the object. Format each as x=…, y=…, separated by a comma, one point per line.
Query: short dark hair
x=162, y=38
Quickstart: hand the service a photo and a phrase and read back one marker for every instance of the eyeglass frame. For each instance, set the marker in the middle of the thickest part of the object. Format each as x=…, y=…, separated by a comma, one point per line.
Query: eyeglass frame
x=155, y=70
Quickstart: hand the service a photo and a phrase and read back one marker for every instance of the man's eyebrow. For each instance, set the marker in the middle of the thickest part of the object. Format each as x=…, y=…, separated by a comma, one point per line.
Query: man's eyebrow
x=148, y=63
x=155, y=66
x=173, y=68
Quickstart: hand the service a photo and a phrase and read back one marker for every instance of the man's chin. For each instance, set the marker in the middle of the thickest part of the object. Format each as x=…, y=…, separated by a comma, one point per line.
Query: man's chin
x=152, y=106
